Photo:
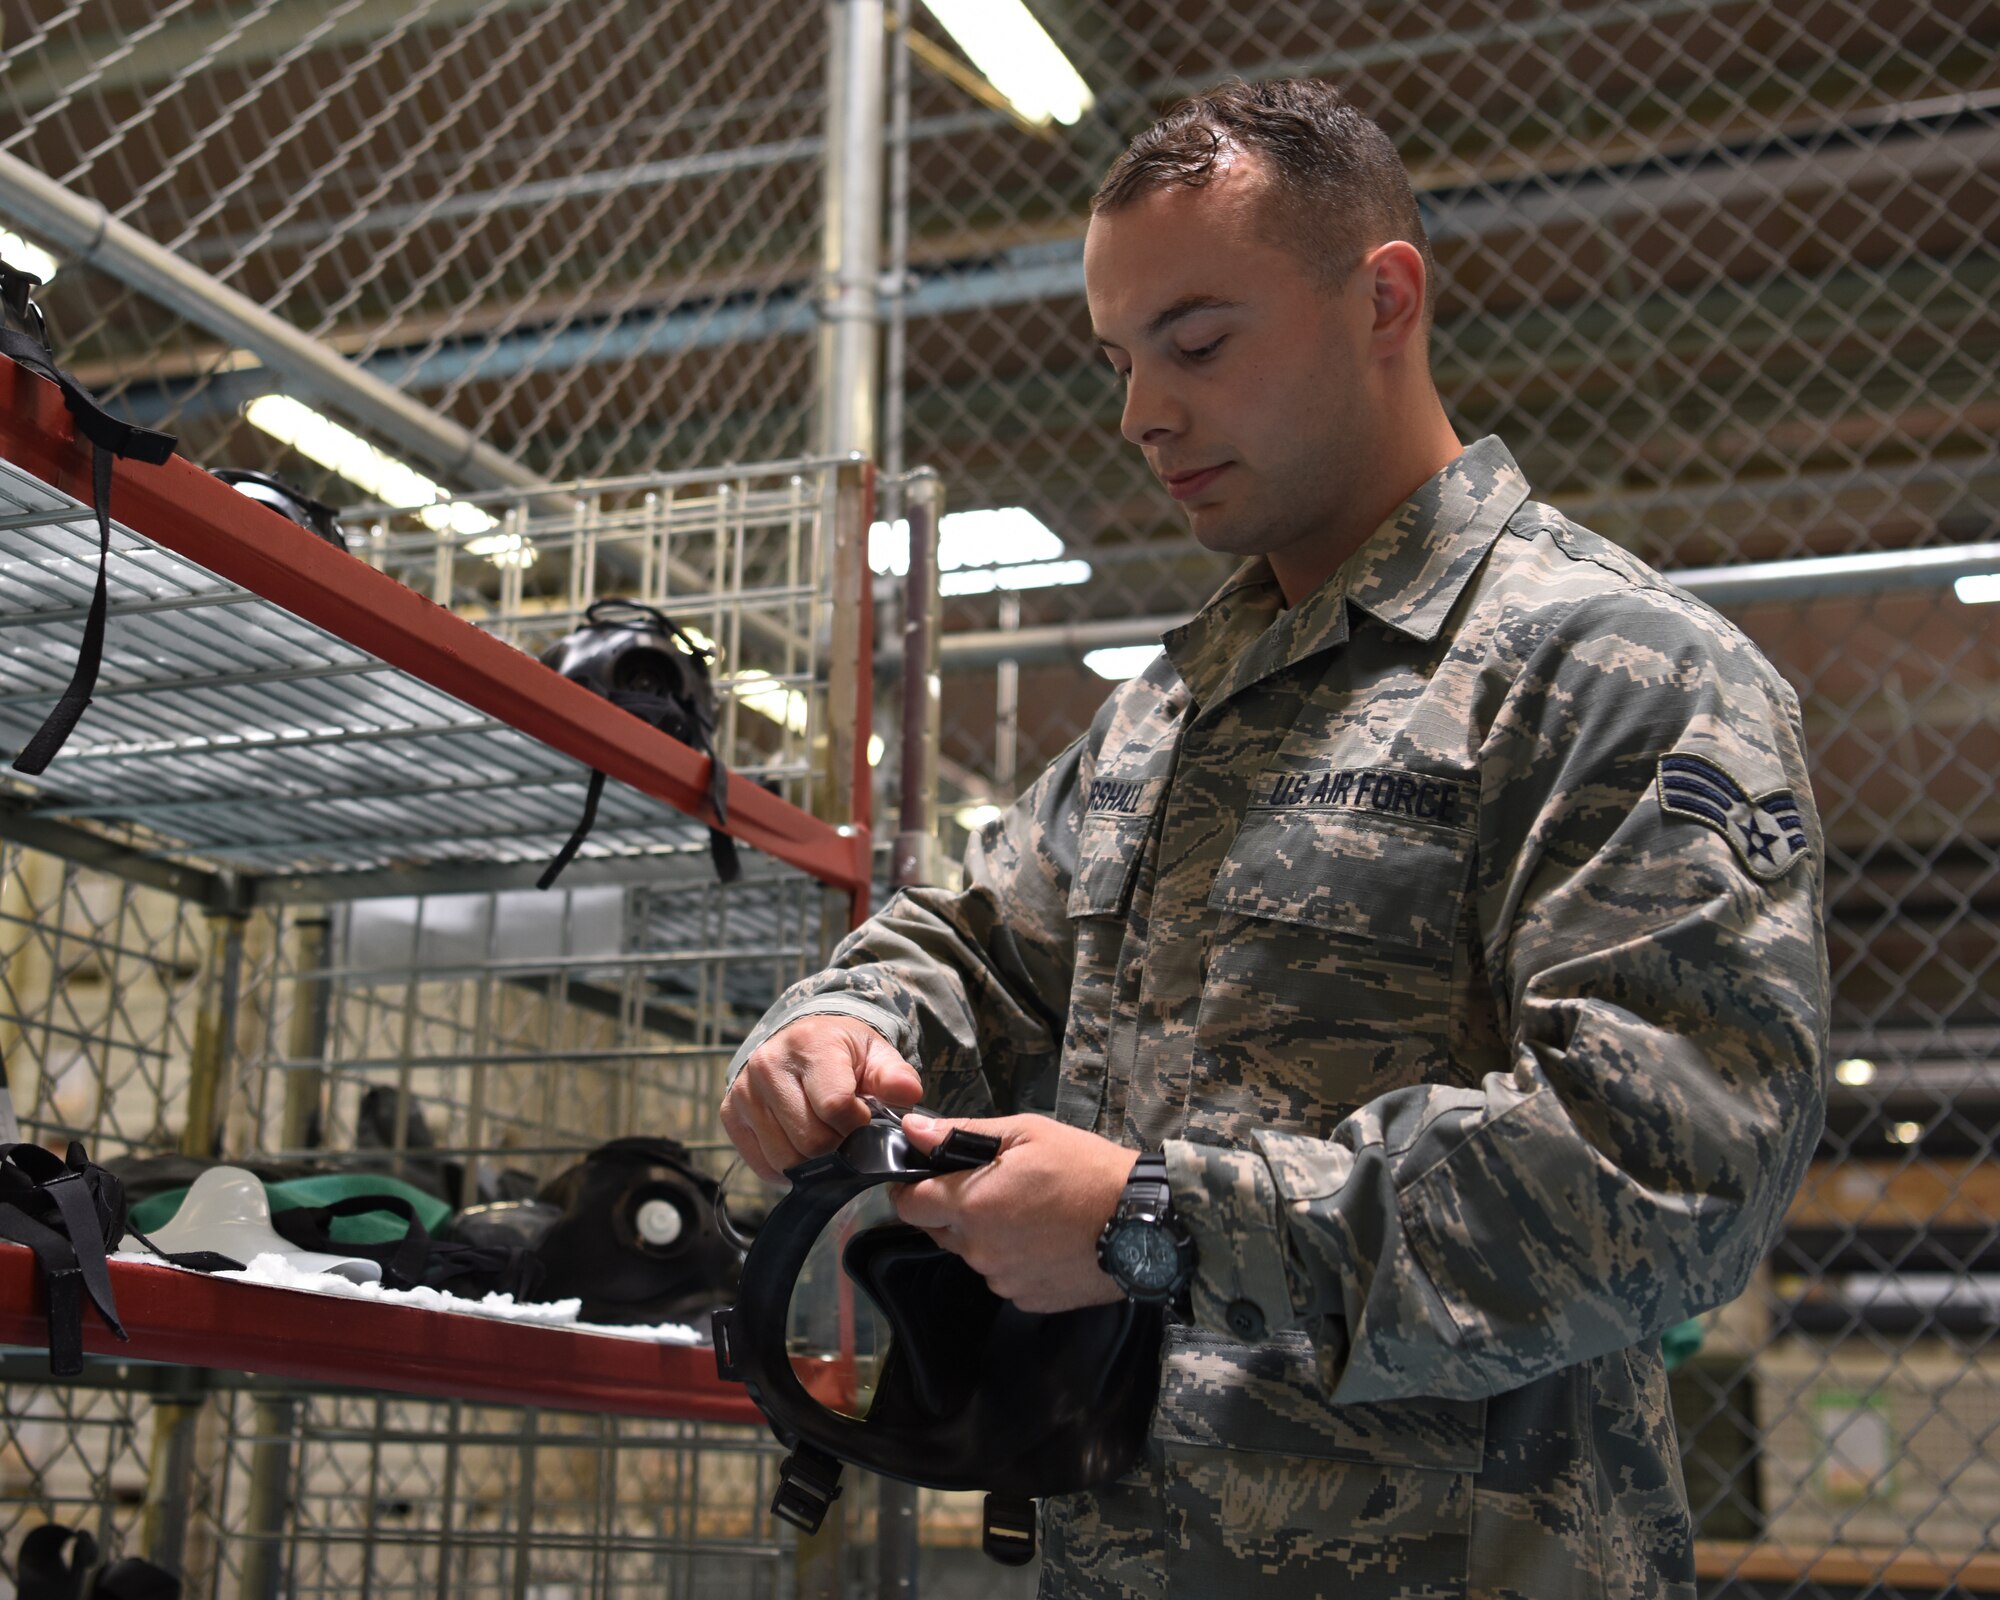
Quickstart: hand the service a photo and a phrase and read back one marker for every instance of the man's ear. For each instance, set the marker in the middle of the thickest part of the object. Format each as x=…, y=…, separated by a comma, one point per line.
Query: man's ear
x=1396, y=283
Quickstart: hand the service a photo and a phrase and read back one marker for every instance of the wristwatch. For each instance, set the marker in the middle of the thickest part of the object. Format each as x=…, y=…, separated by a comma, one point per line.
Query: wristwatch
x=1145, y=1249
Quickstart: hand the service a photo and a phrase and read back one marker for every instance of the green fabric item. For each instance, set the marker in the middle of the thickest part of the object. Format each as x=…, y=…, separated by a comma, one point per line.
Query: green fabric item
x=328, y=1187
x=1680, y=1341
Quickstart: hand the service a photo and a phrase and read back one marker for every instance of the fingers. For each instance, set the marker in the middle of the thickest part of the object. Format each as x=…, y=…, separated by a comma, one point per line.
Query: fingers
x=799, y=1094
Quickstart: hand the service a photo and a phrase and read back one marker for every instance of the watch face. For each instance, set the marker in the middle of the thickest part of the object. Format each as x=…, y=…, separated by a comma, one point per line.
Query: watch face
x=1142, y=1256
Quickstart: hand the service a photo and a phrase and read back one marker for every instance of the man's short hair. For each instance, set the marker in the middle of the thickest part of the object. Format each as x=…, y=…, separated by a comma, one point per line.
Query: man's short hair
x=1339, y=187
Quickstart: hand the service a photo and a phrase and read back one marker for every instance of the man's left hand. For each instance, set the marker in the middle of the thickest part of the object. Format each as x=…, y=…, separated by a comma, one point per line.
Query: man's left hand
x=1027, y=1222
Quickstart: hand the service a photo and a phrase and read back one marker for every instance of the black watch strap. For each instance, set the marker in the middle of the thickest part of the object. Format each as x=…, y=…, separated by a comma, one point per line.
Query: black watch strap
x=1146, y=1191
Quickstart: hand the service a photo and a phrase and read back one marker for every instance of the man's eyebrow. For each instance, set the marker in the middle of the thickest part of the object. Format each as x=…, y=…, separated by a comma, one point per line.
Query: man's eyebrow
x=1186, y=306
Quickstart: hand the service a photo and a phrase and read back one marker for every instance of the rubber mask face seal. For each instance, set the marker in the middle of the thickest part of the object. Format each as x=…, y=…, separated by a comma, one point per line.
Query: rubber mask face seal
x=974, y=1392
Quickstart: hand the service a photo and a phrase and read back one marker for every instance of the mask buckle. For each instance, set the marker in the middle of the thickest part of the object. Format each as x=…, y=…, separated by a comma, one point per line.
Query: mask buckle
x=808, y=1485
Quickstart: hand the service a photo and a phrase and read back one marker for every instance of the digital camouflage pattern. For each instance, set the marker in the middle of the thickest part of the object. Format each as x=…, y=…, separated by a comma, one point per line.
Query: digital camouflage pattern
x=1477, y=1062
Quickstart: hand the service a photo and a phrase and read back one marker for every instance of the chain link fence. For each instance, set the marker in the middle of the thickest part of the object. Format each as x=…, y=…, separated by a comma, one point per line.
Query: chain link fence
x=586, y=233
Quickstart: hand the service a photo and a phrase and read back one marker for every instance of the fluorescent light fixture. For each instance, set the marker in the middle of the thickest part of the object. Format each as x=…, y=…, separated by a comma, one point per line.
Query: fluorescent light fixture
x=1978, y=588
x=1044, y=575
x=502, y=549
x=26, y=257
x=1016, y=55
x=375, y=472
x=1008, y=547
x=1855, y=1072
x=773, y=698
x=1121, y=662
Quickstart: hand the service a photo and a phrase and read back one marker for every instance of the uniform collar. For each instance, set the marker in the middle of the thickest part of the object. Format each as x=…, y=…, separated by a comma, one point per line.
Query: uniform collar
x=1407, y=574
x=1411, y=570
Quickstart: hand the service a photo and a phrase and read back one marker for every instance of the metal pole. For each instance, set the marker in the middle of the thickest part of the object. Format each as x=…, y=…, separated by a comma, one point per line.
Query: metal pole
x=915, y=858
x=270, y=1497
x=213, y=1050
x=896, y=280
x=306, y=366
x=312, y=997
x=851, y=245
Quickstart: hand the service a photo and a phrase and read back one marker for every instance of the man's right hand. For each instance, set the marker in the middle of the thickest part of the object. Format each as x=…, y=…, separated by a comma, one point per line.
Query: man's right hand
x=800, y=1092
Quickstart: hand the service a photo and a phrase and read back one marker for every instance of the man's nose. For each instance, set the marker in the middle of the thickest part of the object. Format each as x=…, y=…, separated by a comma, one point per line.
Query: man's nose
x=1152, y=414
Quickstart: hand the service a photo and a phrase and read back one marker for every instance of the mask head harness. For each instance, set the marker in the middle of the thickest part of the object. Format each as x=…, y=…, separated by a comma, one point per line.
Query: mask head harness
x=974, y=1393
x=315, y=516
x=642, y=661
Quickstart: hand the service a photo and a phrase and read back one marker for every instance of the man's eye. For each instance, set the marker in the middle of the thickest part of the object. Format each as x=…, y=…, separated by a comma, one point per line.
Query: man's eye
x=1203, y=352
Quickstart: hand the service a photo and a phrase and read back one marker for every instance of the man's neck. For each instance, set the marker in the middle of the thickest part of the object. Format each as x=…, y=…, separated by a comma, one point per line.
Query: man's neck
x=1405, y=460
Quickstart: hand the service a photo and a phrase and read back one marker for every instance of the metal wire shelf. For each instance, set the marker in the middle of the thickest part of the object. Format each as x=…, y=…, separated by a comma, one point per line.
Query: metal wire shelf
x=270, y=706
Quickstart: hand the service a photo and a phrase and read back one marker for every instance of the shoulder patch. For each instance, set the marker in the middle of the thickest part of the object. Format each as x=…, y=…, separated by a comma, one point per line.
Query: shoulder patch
x=1767, y=832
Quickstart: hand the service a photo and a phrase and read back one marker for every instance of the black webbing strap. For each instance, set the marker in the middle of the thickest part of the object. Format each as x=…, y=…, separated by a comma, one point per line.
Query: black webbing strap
x=71, y=1256
x=567, y=853
x=109, y=437
x=721, y=848
x=402, y=1263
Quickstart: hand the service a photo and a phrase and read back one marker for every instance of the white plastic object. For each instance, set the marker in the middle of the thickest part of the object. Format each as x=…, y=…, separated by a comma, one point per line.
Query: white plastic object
x=227, y=1211
x=658, y=1222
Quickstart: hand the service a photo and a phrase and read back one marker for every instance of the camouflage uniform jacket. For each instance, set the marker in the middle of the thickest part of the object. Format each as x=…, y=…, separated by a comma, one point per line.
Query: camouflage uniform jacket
x=1457, y=932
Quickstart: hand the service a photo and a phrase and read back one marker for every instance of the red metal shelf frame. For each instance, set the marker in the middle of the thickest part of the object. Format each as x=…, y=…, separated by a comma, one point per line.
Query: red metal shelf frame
x=187, y=1319
x=183, y=508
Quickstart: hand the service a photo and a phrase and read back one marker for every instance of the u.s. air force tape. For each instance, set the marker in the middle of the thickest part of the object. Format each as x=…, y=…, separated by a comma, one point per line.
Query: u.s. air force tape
x=1380, y=791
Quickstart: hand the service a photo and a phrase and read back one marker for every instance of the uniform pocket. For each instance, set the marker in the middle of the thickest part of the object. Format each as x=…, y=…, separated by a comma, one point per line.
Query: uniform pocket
x=1108, y=853
x=1382, y=882
x=1330, y=971
x=1267, y=1480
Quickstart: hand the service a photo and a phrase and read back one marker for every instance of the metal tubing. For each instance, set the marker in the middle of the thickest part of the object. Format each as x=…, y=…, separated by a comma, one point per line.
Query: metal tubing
x=851, y=252
x=1759, y=583
x=306, y=365
x=213, y=1049
x=269, y=1498
x=312, y=998
x=914, y=860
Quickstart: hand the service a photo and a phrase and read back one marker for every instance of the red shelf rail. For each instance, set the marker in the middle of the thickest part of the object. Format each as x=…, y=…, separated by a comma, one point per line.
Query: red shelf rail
x=198, y=516
x=186, y=1319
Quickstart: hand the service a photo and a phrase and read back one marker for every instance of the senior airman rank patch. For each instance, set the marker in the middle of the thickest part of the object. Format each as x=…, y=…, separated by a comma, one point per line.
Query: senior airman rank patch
x=1768, y=831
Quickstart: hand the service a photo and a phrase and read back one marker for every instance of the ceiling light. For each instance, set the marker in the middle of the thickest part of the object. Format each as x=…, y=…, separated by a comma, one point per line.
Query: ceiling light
x=1978, y=588
x=1007, y=547
x=1903, y=1132
x=375, y=472
x=1014, y=51
x=1121, y=661
x=24, y=257
x=984, y=580
x=773, y=698
x=502, y=549
x=974, y=817
x=1855, y=1072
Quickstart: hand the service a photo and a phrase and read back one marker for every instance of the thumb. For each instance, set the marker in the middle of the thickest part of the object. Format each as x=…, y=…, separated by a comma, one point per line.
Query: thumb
x=887, y=1076
x=928, y=1132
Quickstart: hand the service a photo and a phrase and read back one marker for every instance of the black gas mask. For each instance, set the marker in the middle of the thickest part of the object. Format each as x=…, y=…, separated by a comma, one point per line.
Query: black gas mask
x=974, y=1393
x=640, y=659
x=638, y=1239
x=315, y=516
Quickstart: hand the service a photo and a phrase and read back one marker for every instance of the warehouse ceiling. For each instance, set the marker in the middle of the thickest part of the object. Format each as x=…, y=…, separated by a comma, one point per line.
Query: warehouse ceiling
x=1722, y=274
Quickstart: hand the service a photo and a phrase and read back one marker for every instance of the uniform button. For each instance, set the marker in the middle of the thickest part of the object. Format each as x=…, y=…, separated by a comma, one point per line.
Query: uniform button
x=1245, y=1319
